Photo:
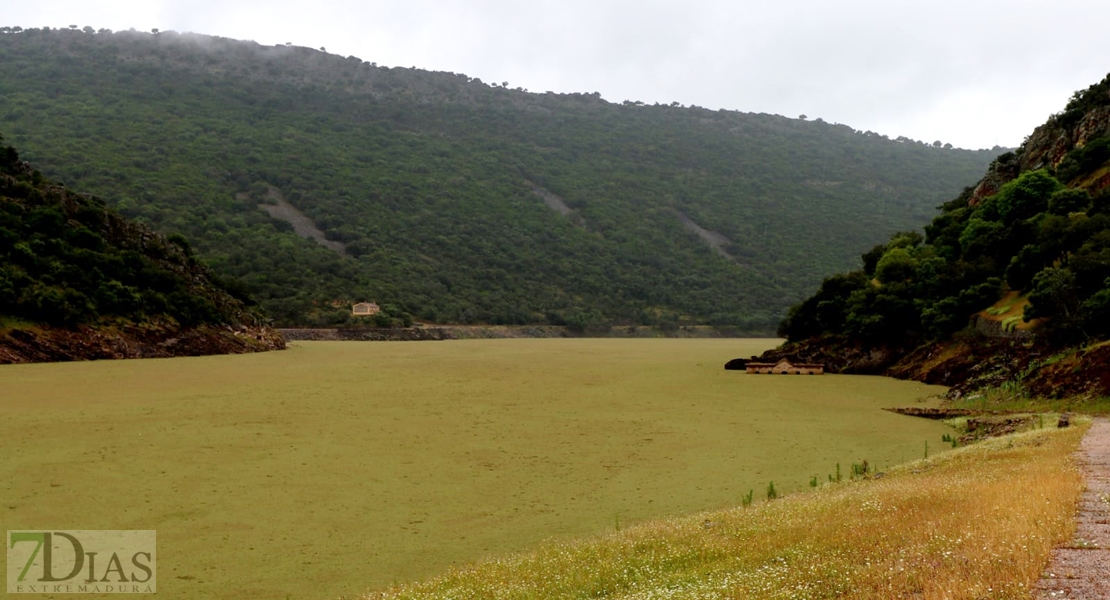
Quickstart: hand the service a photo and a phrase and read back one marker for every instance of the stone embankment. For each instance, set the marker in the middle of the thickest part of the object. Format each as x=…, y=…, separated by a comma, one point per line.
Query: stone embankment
x=486, y=332
x=405, y=334
x=934, y=413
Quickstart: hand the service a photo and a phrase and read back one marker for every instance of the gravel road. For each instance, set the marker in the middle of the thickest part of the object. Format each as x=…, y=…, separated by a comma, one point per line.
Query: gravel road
x=1081, y=569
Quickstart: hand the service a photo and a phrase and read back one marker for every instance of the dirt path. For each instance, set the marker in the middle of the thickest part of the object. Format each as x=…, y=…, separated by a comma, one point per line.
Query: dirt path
x=1081, y=570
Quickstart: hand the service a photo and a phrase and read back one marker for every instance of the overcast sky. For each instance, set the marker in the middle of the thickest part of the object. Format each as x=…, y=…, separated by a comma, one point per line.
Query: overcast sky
x=974, y=73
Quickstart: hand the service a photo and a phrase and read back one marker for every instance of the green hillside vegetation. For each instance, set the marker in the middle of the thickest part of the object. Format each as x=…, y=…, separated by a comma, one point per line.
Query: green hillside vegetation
x=1044, y=233
x=455, y=200
x=66, y=260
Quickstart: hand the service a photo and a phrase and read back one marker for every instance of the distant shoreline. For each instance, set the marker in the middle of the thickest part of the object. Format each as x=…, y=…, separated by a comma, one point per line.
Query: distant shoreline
x=466, y=332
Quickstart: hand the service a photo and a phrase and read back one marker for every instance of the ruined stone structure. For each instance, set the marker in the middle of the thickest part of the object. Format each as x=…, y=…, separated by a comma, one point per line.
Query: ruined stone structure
x=365, y=309
x=785, y=367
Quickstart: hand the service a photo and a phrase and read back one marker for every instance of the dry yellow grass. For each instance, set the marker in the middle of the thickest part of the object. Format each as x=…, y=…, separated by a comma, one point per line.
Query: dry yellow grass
x=978, y=522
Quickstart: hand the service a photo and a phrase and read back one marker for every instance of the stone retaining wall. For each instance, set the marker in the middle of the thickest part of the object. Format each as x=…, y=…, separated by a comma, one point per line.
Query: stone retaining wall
x=992, y=328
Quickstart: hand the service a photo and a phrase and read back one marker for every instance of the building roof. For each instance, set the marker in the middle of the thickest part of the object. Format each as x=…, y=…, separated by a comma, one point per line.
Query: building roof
x=786, y=363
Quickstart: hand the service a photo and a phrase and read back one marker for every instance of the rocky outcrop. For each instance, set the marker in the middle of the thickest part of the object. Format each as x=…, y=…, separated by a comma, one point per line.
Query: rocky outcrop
x=281, y=209
x=935, y=414
x=1050, y=143
x=968, y=364
x=964, y=364
x=737, y=364
x=995, y=426
x=1085, y=372
x=1046, y=148
x=46, y=344
x=1003, y=170
x=839, y=355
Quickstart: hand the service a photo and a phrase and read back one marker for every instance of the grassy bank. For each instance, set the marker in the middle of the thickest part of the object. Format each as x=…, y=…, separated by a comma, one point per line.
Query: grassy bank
x=336, y=466
x=978, y=522
x=1006, y=399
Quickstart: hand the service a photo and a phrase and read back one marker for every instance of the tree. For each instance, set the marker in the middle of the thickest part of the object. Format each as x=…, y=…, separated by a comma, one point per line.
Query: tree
x=979, y=236
x=871, y=258
x=826, y=311
x=1096, y=312
x=1053, y=296
x=896, y=265
x=951, y=314
x=905, y=239
x=1026, y=196
x=1024, y=266
x=881, y=314
x=1067, y=201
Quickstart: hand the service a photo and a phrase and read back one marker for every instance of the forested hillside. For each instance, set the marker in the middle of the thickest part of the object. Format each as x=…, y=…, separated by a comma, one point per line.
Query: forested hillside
x=452, y=199
x=79, y=281
x=1014, y=270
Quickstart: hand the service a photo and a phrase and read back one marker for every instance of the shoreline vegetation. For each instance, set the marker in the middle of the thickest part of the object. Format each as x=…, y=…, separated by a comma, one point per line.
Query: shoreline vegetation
x=979, y=521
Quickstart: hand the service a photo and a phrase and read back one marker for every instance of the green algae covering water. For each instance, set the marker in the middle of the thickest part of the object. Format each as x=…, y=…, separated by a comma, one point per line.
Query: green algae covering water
x=337, y=466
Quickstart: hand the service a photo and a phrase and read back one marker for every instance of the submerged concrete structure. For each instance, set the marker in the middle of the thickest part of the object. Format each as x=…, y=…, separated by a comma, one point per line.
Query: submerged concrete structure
x=785, y=367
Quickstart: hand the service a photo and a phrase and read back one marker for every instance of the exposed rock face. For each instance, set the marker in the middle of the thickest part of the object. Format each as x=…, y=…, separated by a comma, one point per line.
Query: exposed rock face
x=995, y=426
x=1084, y=373
x=283, y=210
x=1001, y=171
x=838, y=354
x=1050, y=142
x=1046, y=148
x=968, y=364
x=44, y=344
x=965, y=364
x=935, y=414
x=714, y=239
